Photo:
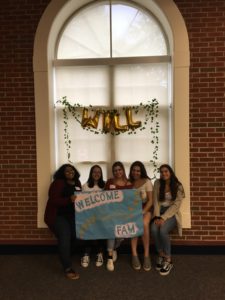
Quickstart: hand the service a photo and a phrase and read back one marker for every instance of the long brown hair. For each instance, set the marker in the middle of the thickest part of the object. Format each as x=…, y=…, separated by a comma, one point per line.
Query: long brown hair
x=174, y=183
x=139, y=164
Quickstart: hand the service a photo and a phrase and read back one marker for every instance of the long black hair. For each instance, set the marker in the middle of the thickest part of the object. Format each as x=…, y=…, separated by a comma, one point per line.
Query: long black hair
x=90, y=181
x=60, y=173
x=139, y=164
x=174, y=183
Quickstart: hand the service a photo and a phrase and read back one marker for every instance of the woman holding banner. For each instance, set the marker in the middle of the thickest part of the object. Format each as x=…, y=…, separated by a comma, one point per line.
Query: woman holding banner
x=118, y=182
x=60, y=214
x=168, y=195
x=140, y=180
x=95, y=182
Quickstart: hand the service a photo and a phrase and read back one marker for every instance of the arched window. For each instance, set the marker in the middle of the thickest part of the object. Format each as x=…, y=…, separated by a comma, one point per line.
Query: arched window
x=111, y=54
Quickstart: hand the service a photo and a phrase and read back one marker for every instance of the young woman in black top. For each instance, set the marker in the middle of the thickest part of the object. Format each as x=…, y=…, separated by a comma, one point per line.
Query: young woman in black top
x=60, y=214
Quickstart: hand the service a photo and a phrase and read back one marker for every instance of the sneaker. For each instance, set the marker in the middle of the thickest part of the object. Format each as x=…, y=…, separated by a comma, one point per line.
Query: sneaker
x=71, y=274
x=147, y=263
x=110, y=264
x=85, y=260
x=166, y=268
x=159, y=263
x=99, y=260
x=136, y=263
x=114, y=255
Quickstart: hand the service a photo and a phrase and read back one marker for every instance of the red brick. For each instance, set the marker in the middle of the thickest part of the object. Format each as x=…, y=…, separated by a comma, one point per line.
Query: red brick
x=205, y=26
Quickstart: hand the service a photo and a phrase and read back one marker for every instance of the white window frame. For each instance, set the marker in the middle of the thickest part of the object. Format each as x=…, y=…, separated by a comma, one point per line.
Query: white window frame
x=53, y=19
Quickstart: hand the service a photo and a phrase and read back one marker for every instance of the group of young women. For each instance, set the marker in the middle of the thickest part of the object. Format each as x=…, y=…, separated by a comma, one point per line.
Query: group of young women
x=160, y=207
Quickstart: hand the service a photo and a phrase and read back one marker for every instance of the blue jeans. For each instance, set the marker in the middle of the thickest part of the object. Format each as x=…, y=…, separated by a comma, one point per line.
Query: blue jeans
x=161, y=237
x=113, y=244
x=65, y=233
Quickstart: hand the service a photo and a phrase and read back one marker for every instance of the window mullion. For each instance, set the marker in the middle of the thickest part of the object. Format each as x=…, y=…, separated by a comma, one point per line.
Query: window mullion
x=111, y=61
x=110, y=26
x=111, y=101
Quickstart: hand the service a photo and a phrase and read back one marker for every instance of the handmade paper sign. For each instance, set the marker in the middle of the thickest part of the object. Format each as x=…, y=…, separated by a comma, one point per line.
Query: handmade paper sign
x=108, y=214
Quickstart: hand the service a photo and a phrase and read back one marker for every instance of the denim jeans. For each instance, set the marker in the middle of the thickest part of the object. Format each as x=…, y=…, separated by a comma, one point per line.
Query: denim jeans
x=65, y=233
x=160, y=234
x=113, y=244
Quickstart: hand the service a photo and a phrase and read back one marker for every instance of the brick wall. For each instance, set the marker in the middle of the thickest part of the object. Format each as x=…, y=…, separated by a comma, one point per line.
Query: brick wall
x=18, y=190
x=205, y=21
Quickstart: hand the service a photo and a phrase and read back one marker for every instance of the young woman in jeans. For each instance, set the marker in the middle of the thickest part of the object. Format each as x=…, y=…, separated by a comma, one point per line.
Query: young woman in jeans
x=168, y=194
x=60, y=214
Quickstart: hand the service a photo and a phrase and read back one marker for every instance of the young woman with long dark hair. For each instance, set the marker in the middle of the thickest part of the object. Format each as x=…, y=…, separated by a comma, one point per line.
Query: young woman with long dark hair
x=95, y=182
x=60, y=214
x=168, y=195
x=118, y=181
x=140, y=180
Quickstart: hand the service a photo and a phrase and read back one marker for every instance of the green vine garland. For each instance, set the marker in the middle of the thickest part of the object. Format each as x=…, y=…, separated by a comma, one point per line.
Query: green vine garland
x=151, y=109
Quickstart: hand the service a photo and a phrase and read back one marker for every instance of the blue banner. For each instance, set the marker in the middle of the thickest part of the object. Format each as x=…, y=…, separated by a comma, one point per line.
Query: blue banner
x=108, y=214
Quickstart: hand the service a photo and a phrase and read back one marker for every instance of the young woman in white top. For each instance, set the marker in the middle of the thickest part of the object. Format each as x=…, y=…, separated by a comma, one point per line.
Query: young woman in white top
x=168, y=194
x=140, y=181
x=95, y=182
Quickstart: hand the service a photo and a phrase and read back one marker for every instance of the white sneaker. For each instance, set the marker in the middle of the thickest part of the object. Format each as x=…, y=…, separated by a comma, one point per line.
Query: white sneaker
x=110, y=264
x=114, y=255
x=166, y=268
x=85, y=260
x=99, y=260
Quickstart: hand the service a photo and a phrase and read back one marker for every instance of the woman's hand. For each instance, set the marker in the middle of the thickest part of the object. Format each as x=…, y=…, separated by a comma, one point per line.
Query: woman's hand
x=73, y=198
x=159, y=222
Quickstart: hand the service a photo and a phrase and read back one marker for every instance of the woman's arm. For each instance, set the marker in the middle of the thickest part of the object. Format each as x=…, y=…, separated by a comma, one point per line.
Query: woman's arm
x=148, y=189
x=156, y=198
x=175, y=206
x=148, y=203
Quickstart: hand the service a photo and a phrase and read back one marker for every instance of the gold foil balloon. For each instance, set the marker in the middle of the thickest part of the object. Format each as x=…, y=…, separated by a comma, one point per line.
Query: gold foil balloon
x=88, y=121
x=85, y=117
x=130, y=121
x=94, y=121
x=107, y=121
x=117, y=125
x=111, y=120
